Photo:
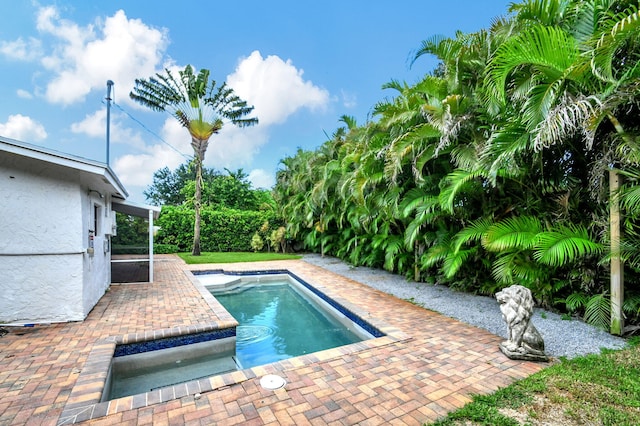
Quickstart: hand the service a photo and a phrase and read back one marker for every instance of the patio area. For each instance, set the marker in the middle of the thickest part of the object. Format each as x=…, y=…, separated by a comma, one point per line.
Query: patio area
x=426, y=366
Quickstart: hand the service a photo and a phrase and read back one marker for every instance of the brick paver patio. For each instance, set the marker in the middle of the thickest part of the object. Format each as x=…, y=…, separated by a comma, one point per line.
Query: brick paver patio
x=427, y=366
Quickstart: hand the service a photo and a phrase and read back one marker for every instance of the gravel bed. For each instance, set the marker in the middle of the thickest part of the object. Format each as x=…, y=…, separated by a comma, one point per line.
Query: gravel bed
x=562, y=338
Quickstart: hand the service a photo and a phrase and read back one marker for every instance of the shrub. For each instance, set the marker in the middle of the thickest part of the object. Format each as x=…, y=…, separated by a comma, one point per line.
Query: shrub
x=221, y=230
x=165, y=248
x=127, y=249
x=257, y=243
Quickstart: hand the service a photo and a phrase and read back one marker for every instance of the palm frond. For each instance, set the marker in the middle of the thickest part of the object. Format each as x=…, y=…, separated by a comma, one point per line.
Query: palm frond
x=550, y=50
x=473, y=232
x=598, y=311
x=576, y=301
x=159, y=92
x=454, y=261
x=393, y=246
x=465, y=156
x=502, y=149
x=518, y=233
x=425, y=214
x=545, y=12
x=197, y=102
x=503, y=266
x=440, y=46
x=414, y=199
x=615, y=30
x=454, y=183
x=630, y=198
x=570, y=116
x=631, y=305
x=437, y=252
x=540, y=101
x=564, y=244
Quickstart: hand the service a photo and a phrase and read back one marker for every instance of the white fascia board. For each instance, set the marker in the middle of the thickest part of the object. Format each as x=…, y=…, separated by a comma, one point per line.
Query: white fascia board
x=65, y=160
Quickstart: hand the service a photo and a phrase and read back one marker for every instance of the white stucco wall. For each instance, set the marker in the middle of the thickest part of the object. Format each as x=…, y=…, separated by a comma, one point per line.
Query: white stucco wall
x=96, y=266
x=41, y=289
x=46, y=274
x=40, y=213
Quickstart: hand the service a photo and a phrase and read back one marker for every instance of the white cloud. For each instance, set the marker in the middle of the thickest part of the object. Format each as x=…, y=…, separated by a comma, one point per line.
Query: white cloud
x=84, y=58
x=260, y=178
x=234, y=147
x=349, y=100
x=23, y=128
x=275, y=87
x=177, y=136
x=95, y=126
x=24, y=94
x=136, y=170
x=20, y=49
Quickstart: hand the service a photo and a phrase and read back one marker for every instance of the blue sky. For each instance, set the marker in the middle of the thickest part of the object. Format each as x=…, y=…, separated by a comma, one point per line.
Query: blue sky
x=301, y=64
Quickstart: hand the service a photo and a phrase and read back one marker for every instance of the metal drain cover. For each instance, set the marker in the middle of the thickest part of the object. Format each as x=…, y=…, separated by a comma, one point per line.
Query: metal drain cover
x=272, y=382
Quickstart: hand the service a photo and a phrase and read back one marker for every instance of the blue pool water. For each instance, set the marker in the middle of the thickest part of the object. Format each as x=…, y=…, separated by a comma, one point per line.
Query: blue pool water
x=277, y=322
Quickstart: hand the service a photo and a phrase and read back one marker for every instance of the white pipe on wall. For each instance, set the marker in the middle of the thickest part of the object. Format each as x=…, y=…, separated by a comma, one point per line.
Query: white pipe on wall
x=150, y=246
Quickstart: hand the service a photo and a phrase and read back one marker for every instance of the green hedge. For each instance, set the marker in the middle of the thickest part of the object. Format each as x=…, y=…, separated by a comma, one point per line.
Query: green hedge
x=221, y=230
x=129, y=249
x=165, y=248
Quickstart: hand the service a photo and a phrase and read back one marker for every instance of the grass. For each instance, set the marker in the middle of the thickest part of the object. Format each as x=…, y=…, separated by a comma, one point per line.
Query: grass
x=599, y=389
x=233, y=257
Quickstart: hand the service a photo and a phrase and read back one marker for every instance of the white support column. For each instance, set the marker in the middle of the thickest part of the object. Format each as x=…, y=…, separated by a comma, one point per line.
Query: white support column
x=150, y=246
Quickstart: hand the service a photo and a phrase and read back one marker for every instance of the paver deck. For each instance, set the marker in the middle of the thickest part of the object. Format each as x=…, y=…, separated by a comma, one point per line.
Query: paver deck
x=433, y=368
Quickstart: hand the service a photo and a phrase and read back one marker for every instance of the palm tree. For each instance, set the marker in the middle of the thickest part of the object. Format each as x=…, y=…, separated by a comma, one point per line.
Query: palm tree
x=201, y=107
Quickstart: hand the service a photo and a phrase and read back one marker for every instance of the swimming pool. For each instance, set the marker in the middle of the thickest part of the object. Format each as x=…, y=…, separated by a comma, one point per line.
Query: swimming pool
x=139, y=368
x=277, y=320
x=89, y=397
x=278, y=317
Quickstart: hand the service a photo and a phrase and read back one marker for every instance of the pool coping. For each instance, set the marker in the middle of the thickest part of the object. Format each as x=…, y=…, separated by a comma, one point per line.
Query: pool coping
x=84, y=402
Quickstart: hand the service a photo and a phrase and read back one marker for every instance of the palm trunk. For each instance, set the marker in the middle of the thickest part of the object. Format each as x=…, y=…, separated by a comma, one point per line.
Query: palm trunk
x=617, y=266
x=199, y=149
x=196, y=206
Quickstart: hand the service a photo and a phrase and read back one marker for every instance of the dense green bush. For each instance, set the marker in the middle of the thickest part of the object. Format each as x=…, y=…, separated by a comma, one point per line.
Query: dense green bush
x=127, y=249
x=165, y=248
x=222, y=230
x=133, y=233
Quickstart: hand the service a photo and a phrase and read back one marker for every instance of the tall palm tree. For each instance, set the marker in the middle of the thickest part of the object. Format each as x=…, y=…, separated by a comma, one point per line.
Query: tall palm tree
x=201, y=107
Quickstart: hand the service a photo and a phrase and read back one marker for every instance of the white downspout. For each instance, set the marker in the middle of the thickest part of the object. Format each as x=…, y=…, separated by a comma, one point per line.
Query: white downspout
x=150, y=246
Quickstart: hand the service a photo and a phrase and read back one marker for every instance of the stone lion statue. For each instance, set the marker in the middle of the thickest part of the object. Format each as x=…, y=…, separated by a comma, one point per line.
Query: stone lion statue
x=524, y=340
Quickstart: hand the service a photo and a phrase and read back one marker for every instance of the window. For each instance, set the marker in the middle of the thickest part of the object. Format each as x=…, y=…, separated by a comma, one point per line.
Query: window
x=96, y=219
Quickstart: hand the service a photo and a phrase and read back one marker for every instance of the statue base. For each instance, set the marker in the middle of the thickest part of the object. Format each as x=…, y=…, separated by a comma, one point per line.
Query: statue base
x=523, y=354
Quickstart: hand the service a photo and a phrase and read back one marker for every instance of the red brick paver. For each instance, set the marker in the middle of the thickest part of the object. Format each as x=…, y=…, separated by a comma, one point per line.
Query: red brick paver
x=427, y=366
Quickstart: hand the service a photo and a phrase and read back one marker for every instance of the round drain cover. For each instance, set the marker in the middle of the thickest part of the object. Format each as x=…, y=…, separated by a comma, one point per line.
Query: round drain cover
x=272, y=382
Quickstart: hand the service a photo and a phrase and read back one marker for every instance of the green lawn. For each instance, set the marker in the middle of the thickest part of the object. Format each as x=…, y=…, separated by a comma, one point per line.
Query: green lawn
x=595, y=389
x=234, y=257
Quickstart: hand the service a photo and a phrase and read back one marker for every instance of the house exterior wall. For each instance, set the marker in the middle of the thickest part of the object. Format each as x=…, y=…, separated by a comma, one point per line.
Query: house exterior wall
x=97, y=265
x=46, y=273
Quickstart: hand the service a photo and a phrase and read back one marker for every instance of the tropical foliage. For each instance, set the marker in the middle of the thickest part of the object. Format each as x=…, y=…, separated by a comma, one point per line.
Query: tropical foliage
x=223, y=230
x=220, y=190
x=493, y=169
x=232, y=212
